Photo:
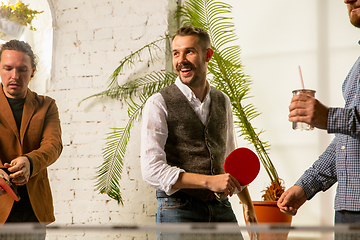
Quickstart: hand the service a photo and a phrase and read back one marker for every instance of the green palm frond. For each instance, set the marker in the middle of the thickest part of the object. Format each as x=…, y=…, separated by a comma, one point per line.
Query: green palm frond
x=150, y=51
x=213, y=16
x=109, y=173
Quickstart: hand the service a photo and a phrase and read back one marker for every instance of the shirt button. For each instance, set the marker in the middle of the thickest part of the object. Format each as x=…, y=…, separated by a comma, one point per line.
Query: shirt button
x=342, y=147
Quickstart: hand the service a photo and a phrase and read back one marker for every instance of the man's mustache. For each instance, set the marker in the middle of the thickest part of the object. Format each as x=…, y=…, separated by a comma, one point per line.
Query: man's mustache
x=13, y=82
x=185, y=65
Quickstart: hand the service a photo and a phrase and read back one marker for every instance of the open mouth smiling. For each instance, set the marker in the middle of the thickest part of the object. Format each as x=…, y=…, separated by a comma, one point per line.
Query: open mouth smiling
x=185, y=68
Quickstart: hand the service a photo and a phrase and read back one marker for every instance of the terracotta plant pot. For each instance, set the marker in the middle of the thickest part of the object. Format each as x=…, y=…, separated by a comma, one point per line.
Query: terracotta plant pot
x=268, y=212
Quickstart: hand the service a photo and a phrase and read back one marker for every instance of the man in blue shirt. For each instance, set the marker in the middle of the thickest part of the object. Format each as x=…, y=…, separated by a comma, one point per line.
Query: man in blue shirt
x=341, y=160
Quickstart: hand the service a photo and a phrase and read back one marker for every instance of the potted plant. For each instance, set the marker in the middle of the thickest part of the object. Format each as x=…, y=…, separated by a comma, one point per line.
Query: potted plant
x=225, y=73
x=14, y=19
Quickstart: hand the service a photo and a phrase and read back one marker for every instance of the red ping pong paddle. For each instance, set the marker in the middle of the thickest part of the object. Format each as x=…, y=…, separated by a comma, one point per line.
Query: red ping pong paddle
x=243, y=164
x=7, y=186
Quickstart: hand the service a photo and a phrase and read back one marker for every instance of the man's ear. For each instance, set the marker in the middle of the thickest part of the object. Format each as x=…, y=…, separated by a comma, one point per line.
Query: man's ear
x=209, y=54
x=33, y=72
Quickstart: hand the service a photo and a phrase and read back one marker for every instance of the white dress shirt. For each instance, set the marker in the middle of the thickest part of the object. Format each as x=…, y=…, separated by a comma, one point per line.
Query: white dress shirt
x=154, y=133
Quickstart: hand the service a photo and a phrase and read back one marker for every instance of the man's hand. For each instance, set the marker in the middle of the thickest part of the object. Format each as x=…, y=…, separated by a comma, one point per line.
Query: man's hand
x=291, y=200
x=307, y=109
x=223, y=183
x=20, y=170
x=2, y=172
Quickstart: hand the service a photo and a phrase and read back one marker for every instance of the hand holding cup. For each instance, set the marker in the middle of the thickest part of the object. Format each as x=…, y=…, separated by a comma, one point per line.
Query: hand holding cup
x=304, y=108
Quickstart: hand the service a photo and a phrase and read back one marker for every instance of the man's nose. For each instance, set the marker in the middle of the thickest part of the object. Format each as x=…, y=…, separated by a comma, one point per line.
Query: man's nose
x=182, y=58
x=15, y=73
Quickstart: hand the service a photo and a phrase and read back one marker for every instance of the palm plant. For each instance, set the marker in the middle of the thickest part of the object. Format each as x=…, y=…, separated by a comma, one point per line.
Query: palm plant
x=225, y=73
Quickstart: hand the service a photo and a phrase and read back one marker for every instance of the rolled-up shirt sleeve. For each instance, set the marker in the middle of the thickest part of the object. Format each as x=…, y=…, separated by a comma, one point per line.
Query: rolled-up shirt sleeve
x=231, y=140
x=154, y=168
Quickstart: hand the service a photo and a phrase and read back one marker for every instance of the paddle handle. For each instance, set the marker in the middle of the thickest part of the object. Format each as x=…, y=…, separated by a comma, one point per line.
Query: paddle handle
x=221, y=195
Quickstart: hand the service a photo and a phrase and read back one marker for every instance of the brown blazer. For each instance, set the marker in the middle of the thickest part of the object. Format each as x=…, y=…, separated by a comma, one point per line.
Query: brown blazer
x=39, y=139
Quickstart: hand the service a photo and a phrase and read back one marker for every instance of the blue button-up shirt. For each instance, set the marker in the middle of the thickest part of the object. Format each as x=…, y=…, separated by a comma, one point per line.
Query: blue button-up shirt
x=341, y=160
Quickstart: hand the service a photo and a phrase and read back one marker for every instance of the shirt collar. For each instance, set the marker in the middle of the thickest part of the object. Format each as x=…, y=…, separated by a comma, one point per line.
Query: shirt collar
x=189, y=94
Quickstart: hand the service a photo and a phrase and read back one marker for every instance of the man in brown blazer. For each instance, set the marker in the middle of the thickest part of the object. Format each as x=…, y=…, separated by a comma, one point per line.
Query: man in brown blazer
x=30, y=138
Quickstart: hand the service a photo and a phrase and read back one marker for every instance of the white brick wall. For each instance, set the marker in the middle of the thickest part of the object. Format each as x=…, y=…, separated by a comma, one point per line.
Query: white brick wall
x=90, y=38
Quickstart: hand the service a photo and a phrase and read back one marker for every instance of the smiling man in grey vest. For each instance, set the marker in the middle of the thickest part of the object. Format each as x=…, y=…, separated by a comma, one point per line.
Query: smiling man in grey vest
x=187, y=133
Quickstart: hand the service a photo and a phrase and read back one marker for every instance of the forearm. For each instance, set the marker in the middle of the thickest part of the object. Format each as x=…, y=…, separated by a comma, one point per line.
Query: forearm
x=192, y=180
x=245, y=198
x=322, y=174
x=345, y=121
x=248, y=206
x=222, y=183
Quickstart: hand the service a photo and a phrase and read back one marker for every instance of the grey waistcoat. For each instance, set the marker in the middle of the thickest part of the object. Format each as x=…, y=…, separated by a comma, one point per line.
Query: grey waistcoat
x=191, y=145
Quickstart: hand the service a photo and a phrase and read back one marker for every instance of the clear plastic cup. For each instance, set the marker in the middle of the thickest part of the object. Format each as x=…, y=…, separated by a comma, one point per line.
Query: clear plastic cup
x=300, y=125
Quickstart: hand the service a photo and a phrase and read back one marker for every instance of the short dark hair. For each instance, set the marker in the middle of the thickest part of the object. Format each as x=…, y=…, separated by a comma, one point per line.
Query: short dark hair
x=204, y=38
x=19, y=46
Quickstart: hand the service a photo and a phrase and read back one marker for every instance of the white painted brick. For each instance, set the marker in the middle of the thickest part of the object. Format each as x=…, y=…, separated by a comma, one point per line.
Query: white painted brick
x=72, y=26
x=60, y=5
x=82, y=70
x=98, y=46
x=104, y=9
x=62, y=163
x=108, y=22
x=81, y=184
x=82, y=58
x=62, y=207
x=87, y=150
x=98, y=58
x=87, y=12
x=85, y=35
x=63, y=218
x=86, y=173
x=68, y=40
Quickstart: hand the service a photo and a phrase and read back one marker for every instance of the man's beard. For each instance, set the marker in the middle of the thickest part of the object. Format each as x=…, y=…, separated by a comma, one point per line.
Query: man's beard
x=355, y=22
x=354, y=19
x=195, y=81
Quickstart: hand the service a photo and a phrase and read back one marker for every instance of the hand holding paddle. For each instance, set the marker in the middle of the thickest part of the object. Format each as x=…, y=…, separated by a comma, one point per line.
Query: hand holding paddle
x=8, y=188
x=243, y=165
x=19, y=169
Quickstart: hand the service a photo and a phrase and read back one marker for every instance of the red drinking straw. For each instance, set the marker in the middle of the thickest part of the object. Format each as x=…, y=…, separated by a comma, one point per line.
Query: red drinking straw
x=301, y=77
